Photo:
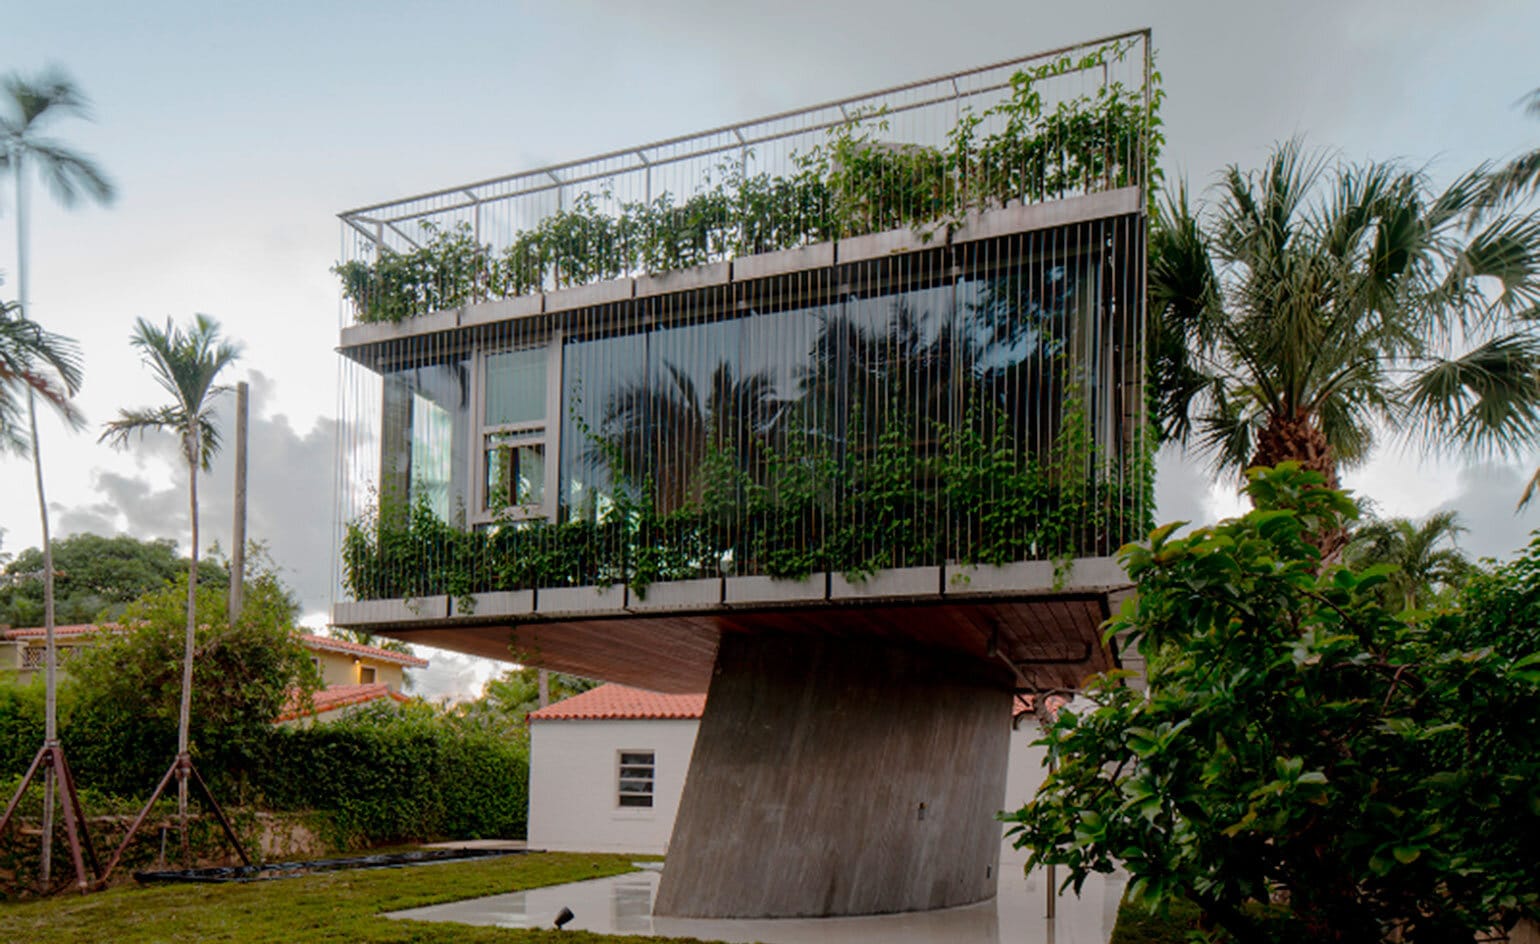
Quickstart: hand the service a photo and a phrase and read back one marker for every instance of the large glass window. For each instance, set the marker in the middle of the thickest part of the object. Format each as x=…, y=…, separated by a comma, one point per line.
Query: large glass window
x=426, y=426
x=515, y=388
x=514, y=415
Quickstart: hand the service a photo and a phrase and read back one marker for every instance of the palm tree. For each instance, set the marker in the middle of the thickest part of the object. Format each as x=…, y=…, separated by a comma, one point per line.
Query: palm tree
x=1320, y=302
x=1519, y=177
x=1423, y=566
x=185, y=363
x=27, y=108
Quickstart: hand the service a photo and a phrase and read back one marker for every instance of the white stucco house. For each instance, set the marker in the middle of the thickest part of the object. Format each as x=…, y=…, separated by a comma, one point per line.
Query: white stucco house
x=607, y=768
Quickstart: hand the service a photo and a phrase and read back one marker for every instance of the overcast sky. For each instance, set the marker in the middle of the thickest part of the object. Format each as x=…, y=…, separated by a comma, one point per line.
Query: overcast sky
x=235, y=133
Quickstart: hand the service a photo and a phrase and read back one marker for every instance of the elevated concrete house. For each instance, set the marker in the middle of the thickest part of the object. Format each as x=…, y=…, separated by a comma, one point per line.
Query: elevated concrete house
x=837, y=415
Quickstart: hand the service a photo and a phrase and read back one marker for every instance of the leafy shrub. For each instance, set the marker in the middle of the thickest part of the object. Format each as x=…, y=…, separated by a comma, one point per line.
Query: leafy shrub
x=392, y=775
x=1308, y=763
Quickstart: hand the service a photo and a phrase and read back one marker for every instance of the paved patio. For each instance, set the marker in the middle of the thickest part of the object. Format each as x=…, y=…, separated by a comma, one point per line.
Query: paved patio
x=623, y=905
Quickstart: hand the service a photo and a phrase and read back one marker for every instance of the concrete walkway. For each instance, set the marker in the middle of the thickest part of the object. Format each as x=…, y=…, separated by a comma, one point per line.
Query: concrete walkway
x=623, y=905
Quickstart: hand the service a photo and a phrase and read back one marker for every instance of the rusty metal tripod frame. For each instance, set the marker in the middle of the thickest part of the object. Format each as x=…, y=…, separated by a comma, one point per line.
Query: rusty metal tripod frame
x=50, y=759
x=181, y=769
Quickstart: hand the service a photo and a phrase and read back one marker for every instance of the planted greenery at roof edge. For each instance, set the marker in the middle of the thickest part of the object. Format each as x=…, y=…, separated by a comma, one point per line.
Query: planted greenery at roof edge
x=850, y=185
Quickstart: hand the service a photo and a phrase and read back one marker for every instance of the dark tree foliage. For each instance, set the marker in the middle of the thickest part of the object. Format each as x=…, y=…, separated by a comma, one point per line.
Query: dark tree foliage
x=95, y=578
x=1308, y=763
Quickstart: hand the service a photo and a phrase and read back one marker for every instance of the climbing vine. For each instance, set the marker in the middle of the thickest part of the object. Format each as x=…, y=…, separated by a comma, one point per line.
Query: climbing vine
x=851, y=184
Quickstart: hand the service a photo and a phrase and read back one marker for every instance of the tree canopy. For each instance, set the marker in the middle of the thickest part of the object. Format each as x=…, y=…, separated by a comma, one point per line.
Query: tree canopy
x=245, y=674
x=95, y=577
x=1318, y=303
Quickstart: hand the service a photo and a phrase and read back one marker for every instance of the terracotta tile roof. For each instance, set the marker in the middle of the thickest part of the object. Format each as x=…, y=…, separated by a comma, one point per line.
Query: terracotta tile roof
x=1027, y=705
x=612, y=702
x=312, y=641
x=38, y=632
x=339, y=696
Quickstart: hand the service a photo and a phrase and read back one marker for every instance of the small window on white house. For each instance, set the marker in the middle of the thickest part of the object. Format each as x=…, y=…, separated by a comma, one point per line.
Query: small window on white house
x=636, y=778
x=366, y=675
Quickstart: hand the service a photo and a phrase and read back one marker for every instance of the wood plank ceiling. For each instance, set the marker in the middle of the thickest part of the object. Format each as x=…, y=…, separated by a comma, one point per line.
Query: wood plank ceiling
x=1039, y=644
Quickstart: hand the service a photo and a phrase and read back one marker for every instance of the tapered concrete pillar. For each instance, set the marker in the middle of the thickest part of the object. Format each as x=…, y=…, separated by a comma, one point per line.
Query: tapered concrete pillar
x=834, y=776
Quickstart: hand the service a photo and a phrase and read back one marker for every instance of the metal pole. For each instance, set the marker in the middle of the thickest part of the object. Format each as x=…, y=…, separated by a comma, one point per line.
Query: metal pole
x=1053, y=892
x=238, y=530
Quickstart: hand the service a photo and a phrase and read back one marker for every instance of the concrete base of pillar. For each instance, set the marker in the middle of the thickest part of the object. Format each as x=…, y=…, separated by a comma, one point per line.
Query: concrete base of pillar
x=839, y=777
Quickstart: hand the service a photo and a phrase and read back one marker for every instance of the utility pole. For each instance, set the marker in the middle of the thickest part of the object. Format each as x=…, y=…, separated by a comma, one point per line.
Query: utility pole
x=238, y=530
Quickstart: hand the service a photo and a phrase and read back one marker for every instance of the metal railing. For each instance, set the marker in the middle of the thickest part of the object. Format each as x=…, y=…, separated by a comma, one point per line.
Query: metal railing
x=1045, y=126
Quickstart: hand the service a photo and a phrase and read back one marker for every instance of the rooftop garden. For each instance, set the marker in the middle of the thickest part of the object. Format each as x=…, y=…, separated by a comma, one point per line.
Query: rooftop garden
x=1024, y=148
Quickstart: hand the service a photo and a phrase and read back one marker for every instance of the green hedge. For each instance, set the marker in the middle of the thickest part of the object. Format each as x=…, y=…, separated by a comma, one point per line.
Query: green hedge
x=397, y=776
x=401, y=774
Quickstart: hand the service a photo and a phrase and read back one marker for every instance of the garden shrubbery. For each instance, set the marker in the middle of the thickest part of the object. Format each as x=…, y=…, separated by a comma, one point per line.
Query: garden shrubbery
x=389, y=775
x=397, y=774
x=1309, y=762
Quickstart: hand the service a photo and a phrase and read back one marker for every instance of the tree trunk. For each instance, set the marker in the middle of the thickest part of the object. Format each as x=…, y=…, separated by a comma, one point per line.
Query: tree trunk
x=50, y=698
x=184, y=717
x=1296, y=438
x=545, y=687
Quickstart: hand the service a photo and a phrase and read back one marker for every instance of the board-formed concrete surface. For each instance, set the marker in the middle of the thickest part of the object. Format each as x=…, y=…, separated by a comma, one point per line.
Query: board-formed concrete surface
x=840, y=777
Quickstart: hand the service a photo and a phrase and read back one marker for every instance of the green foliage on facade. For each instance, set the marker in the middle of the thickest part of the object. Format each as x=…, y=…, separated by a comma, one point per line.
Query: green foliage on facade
x=850, y=185
x=885, y=503
x=1308, y=762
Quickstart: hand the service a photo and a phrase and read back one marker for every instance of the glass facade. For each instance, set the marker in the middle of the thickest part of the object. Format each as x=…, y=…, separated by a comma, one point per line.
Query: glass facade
x=978, y=403
x=425, y=430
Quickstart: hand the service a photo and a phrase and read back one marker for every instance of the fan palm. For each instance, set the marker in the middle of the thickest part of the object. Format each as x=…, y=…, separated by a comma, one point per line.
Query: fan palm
x=28, y=107
x=1520, y=177
x=1320, y=302
x=1423, y=564
x=186, y=363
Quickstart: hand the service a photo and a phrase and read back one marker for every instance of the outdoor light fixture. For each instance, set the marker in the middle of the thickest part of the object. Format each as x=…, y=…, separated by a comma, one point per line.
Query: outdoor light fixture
x=562, y=918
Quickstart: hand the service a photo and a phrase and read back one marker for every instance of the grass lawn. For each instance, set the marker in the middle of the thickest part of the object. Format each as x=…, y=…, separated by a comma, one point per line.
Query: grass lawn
x=340, y=906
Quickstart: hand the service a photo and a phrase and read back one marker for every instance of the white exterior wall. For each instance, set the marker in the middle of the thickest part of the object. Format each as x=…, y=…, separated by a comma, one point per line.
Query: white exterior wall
x=574, y=769
x=1024, y=773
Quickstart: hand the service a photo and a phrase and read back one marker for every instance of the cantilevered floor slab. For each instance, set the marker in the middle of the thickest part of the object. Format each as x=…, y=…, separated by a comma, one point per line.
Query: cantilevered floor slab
x=1040, y=623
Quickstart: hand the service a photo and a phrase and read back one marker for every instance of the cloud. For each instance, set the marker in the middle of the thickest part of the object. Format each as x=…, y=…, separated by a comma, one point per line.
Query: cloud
x=451, y=676
x=289, y=494
x=1487, y=505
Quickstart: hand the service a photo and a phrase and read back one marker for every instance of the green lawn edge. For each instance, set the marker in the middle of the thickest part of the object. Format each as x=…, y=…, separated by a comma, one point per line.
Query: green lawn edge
x=334, y=907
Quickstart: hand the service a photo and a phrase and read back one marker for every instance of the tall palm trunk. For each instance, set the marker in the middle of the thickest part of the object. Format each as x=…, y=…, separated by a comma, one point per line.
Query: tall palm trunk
x=1295, y=437
x=50, y=702
x=184, y=716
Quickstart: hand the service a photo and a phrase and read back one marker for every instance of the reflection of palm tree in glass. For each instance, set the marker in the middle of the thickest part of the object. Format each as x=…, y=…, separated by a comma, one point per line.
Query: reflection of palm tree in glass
x=1028, y=335
x=665, y=432
x=860, y=379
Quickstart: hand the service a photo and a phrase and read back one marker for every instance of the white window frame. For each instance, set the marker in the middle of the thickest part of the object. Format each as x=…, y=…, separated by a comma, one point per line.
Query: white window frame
x=620, y=767
x=545, y=432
